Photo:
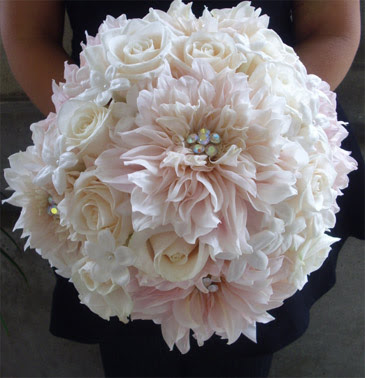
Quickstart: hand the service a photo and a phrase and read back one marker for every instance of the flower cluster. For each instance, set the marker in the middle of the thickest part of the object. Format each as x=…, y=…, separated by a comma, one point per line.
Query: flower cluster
x=189, y=174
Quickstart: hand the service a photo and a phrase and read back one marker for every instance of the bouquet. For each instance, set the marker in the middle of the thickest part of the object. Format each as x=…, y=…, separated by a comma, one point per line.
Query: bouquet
x=189, y=174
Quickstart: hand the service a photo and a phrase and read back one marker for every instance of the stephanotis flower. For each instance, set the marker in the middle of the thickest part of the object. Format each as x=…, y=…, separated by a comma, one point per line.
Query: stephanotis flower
x=201, y=195
x=104, y=86
x=109, y=260
x=101, y=277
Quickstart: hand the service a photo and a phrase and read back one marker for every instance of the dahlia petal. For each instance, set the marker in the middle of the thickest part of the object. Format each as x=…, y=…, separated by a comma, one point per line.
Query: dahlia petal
x=236, y=269
x=258, y=260
x=182, y=313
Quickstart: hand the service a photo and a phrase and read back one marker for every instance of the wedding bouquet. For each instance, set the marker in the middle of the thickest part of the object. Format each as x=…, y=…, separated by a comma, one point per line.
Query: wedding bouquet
x=189, y=174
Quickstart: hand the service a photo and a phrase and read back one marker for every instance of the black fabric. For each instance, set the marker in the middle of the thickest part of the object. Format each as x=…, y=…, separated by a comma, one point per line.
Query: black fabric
x=74, y=321
x=178, y=365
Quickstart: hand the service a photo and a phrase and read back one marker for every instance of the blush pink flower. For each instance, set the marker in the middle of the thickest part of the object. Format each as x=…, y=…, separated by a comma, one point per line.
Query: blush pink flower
x=42, y=229
x=201, y=196
x=77, y=80
x=213, y=305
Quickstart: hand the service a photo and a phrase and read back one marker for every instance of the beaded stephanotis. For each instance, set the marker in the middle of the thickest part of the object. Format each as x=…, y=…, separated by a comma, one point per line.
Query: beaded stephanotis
x=210, y=283
x=204, y=142
x=52, y=207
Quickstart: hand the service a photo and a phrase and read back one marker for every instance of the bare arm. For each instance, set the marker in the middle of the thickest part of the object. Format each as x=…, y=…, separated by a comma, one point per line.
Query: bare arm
x=328, y=36
x=32, y=34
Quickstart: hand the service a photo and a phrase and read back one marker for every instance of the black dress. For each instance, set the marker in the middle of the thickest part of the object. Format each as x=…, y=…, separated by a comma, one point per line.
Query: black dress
x=140, y=343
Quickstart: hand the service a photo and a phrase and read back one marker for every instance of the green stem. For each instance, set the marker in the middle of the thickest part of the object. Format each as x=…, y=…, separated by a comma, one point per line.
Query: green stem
x=11, y=239
x=4, y=324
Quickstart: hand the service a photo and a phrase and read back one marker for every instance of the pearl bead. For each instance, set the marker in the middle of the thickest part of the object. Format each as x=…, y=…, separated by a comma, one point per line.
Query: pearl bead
x=207, y=281
x=213, y=288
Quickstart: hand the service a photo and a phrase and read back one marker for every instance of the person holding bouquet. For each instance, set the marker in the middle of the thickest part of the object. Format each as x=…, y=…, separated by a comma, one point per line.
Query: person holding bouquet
x=325, y=35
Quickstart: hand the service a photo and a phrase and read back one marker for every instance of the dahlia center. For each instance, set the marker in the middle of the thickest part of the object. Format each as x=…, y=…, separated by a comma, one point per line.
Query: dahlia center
x=204, y=142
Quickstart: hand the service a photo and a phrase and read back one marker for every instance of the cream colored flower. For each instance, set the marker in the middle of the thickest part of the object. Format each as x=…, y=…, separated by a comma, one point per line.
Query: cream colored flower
x=243, y=19
x=137, y=51
x=40, y=226
x=179, y=18
x=217, y=49
x=315, y=184
x=162, y=253
x=106, y=299
x=308, y=258
x=93, y=206
x=84, y=126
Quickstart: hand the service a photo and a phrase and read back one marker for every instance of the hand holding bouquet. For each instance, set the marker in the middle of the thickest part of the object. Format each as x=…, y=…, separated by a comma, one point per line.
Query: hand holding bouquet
x=189, y=174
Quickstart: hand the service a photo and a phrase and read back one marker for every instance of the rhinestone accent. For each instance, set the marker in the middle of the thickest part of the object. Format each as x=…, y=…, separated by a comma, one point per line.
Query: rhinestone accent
x=211, y=150
x=192, y=138
x=215, y=138
x=204, y=142
x=52, y=208
x=198, y=149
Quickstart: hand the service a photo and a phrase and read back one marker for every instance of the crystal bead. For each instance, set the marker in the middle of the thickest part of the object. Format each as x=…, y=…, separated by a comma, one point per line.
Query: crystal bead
x=192, y=138
x=215, y=138
x=204, y=139
x=211, y=150
x=52, y=210
x=204, y=131
x=198, y=149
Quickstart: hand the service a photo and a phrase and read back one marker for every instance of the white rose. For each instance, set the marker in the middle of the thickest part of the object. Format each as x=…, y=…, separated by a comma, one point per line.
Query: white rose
x=179, y=18
x=308, y=258
x=287, y=82
x=218, y=49
x=243, y=19
x=138, y=50
x=167, y=255
x=272, y=48
x=94, y=206
x=315, y=185
x=84, y=126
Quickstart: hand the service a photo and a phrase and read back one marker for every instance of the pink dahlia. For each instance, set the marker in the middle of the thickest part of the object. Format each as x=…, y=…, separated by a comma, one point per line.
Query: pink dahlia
x=202, y=197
